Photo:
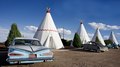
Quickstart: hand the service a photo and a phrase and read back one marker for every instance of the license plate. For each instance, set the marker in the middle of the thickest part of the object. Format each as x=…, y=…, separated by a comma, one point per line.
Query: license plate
x=32, y=56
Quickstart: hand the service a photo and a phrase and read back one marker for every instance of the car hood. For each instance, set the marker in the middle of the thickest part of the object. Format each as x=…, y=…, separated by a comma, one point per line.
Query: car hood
x=29, y=48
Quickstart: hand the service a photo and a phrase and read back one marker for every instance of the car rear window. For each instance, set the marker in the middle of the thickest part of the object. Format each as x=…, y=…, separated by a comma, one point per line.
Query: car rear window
x=26, y=42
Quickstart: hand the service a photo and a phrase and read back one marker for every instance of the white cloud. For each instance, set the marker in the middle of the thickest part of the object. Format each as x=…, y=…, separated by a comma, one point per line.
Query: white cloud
x=66, y=32
x=105, y=37
x=31, y=28
x=3, y=34
x=90, y=35
x=98, y=25
x=27, y=34
x=118, y=34
x=103, y=26
x=29, y=31
x=113, y=27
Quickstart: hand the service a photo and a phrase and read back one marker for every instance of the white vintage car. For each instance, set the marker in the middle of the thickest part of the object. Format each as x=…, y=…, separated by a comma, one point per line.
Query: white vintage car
x=28, y=50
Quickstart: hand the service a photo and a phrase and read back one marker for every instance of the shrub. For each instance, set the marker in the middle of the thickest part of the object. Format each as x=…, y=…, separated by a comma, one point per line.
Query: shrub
x=66, y=42
x=76, y=41
x=107, y=42
x=97, y=40
x=14, y=32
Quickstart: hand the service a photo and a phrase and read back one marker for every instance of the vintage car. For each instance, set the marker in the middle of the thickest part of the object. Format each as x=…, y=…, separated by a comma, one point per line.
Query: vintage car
x=94, y=46
x=28, y=50
x=115, y=46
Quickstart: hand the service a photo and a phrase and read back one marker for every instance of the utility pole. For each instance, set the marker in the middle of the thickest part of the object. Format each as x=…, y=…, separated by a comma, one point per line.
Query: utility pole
x=63, y=33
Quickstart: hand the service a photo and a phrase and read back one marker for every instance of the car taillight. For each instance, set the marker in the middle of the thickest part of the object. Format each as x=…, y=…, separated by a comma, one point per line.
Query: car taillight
x=15, y=54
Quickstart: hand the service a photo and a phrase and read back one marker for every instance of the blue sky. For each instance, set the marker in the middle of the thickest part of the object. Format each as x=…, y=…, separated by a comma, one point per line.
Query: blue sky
x=66, y=13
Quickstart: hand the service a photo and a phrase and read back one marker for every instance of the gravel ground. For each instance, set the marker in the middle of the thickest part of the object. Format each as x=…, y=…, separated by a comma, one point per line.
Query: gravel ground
x=74, y=58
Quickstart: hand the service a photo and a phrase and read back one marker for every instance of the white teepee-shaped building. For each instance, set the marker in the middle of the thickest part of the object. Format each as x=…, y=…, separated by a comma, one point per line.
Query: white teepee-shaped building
x=100, y=38
x=113, y=38
x=48, y=34
x=83, y=34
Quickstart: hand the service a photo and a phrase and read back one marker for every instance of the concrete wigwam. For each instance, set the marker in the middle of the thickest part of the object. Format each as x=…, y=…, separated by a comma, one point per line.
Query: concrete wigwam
x=47, y=33
x=99, y=36
x=113, y=38
x=83, y=34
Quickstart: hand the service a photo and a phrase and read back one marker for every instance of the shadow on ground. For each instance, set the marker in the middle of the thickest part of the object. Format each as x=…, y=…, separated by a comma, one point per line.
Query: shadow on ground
x=3, y=56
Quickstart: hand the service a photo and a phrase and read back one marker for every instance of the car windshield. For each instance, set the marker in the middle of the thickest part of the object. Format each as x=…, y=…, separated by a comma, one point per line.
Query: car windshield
x=95, y=43
x=26, y=42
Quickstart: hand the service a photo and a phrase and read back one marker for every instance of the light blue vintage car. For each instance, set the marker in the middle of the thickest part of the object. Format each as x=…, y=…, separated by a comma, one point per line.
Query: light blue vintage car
x=28, y=50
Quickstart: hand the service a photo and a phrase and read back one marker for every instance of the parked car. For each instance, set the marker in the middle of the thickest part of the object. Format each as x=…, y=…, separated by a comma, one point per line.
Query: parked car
x=28, y=50
x=93, y=46
x=113, y=46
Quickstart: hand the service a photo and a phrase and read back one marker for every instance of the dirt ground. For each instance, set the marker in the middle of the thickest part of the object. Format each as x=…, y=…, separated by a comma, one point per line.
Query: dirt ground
x=73, y=58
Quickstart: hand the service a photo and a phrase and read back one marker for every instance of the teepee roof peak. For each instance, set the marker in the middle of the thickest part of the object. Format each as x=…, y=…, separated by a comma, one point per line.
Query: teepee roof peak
x=48, y=10
x=81, y=22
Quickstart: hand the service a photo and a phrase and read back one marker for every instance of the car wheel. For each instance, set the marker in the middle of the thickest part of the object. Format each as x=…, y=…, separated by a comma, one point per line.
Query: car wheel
x=45, y=61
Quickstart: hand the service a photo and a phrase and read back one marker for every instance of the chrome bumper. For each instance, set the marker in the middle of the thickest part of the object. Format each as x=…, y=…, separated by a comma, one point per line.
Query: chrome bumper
x=29, y=59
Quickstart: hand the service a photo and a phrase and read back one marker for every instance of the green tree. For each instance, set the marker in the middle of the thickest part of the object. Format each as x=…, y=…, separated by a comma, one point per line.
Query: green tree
x=76, y=41
x=107, y=42
x=14, y=32
x=66, y=42
x=97, y=40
